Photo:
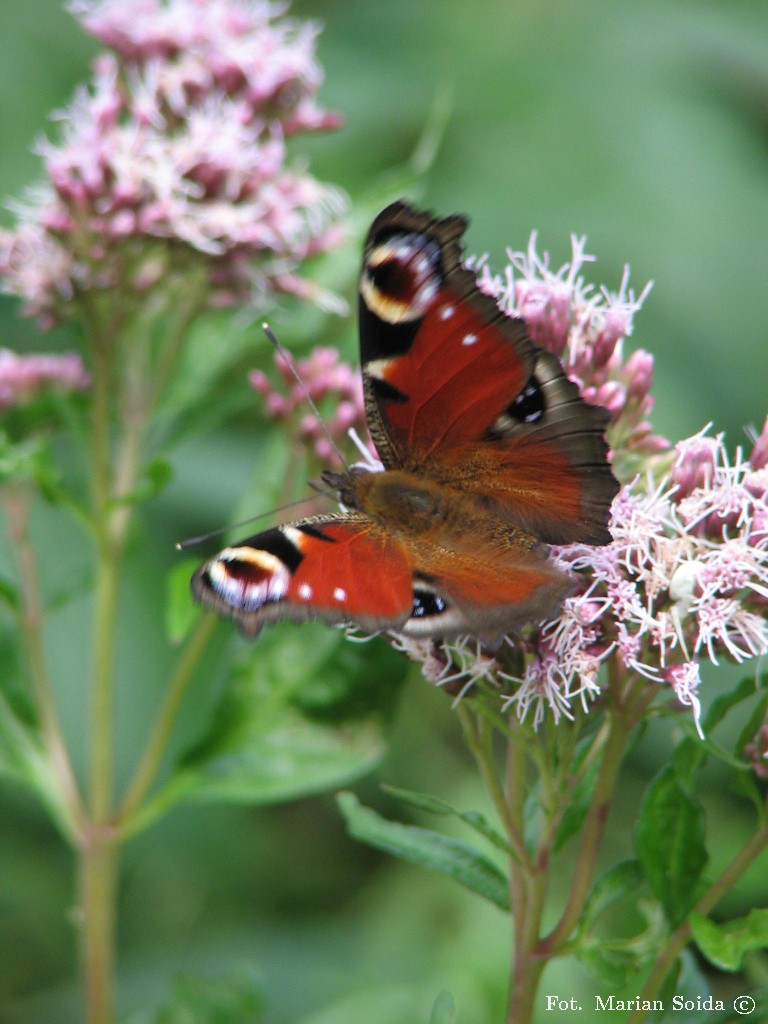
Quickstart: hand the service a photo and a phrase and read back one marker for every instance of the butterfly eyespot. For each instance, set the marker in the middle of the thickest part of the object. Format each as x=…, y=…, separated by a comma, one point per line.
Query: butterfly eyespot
x=528, y=407
x=247, y=578
x=427, y=604
x=401, y=277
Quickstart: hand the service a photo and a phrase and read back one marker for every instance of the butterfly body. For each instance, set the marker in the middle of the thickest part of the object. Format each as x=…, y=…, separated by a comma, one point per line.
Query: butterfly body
x=489, y=455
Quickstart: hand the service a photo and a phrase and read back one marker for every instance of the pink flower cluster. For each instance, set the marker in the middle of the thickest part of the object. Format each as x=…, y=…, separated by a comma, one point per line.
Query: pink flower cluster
x=585, y=329
x=325, y=376
x=23, y=378
x=685, y=579
x=178, y=141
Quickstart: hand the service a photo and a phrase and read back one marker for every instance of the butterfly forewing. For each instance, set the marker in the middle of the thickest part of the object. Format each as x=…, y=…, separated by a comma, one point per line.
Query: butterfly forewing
x=458, y=392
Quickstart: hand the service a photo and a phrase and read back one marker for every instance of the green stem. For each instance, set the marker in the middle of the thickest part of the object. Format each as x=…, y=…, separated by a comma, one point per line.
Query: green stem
x=105, y=608
x=622, y=716
x=681, y=936
x=98, y=874
x=17, y=501
x=111, y=487
x=166, y=718
x=527, y=893
x=479, y=738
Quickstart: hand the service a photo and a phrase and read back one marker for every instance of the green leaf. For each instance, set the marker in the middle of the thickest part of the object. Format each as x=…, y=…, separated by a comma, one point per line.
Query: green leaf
x=292, y=759
x=263, y=744
x=616, y=883
x=232, y=1000
x=350, y=681
x=23, y=759
x=444, y=1010
x=687, y=981
x=21, y=756
x=458, y=860
x=156, y=475
x=726, y=945
x=670, y=843
x=722, y=704
x=578, y=806
x=181, y=612
x=619, y=961
x=745, y=785
x=433, y=804
x=616, y=961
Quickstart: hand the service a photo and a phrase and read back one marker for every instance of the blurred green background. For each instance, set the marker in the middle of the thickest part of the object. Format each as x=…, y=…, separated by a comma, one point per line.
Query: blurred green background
x=644, y=126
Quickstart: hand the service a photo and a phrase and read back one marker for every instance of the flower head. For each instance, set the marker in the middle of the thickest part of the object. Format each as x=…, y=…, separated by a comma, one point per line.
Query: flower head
x=685, y=577
x=683, y=580
x=24, y=378
x=174, y=153
x=326, y=378
x=586, y=329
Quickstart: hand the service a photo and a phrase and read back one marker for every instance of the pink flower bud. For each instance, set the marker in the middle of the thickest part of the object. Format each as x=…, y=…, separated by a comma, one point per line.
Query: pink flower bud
x=276, y=405
x=547, y=313
x=638, y=373
x=612, y=396
x=695, y=465
x=259, y=382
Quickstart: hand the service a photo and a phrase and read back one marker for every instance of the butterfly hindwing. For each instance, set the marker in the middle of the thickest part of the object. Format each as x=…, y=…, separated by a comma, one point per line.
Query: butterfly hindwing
x=341, y=568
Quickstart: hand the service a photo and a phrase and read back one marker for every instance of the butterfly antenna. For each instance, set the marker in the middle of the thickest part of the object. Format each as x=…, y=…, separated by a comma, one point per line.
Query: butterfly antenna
x=288, y=360
x=191, y=542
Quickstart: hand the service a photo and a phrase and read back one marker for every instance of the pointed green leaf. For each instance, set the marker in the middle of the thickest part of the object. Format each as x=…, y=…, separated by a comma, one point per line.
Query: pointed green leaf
x=23, y=759
x=303, y=711
x=156, y=475
x=619, y=881
x=433, y=804
x=618, y=960
x=670, y=843
x=688, y=982
x=458, y=860
x=722, y=704
x=726, y=945
x=290, y=760
x=747, y=785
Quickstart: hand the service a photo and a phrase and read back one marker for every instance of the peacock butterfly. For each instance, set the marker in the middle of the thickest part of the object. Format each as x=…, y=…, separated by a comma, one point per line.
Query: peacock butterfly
x=489, y=453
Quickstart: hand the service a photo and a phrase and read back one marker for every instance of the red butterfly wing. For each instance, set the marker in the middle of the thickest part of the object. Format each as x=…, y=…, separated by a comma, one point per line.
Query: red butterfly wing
x=336, y=568
x=343, y=569
x=488, y=448
x=456, y=390
x=482, y=592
